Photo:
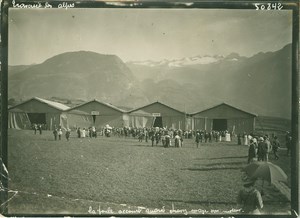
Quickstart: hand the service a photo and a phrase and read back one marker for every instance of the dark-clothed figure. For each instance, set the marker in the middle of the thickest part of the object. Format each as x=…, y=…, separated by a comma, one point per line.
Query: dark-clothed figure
x=250, y=198
x=40, y=129
x=239, y=139
x=261, y=149
x=152, y=139
x=206, y=136
x=90, y=132
x=68, y=133
x=288, y=140
x=94, y=132
x=276, y=145
x=78, y=132
x=251, y=151
x=55, y=132
x=157, y=138
x=146, y=135
x=197, y=139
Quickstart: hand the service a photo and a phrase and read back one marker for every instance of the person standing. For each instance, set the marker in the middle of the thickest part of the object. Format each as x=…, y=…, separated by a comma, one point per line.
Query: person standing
x=83, y=133
x=55, y=132
x=206, y=136
x=152, y=139
x=249, y=198
x=201, y=136
x=239, y=139
x=40, y=128
x=251, y=151
x=146, y=134
x=157, y=138
x=288, y=139
x=167, y=141
x=276, y=145
x=163, y=140
x=94, y=132
x=78, y=132
x=245, y=139
x=197, y=139
x=260, y=149
x=68, y=133
x=35, y=128
x=181, y=142
x=59, y=133
x=90, y=132
x=268, y=147
x=177, y=141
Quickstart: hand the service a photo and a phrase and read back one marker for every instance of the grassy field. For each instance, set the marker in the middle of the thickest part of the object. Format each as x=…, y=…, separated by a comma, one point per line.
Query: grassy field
x=116, y=174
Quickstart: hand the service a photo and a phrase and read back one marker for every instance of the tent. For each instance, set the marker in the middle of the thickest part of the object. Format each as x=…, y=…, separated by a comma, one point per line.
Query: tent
x=224, y=117
x=164, y=115
x=77, y=118
x=140, y=119
x=95, y=113
x=37, y=111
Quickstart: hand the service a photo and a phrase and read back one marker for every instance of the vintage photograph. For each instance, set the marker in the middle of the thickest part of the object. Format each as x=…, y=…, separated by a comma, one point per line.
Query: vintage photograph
x=149, y=111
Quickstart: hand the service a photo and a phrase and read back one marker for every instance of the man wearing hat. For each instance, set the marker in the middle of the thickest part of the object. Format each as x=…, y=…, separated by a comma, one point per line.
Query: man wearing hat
x=250, y=198
x=261, y=149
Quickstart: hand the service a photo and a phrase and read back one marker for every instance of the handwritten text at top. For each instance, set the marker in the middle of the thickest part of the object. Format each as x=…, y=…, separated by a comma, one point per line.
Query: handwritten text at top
x=63, y=5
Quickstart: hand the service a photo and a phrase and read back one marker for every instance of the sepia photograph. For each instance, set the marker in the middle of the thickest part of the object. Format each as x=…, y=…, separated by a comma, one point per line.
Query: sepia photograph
x=142, y=111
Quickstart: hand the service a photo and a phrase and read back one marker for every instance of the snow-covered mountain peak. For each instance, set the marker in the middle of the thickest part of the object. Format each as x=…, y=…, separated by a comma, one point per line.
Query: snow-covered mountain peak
x=187, y=61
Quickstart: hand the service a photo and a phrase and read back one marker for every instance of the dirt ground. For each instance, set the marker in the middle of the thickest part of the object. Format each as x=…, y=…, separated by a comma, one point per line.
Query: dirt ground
x=123, y=176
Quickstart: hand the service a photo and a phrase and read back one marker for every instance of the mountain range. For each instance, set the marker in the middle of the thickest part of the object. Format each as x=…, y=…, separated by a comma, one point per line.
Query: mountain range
x=260, y=84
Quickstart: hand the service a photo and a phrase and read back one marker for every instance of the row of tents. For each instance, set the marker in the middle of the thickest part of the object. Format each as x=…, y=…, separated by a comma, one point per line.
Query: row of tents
x=95, y=113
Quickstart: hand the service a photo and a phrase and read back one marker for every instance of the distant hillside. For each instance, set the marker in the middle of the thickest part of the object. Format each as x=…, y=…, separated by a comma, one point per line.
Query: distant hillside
x=74, y=75
x=260, y=84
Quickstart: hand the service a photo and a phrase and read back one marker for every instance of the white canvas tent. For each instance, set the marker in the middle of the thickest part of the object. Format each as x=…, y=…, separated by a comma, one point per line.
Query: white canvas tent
x=95, y=113
x=39, y=111
x=140, y=119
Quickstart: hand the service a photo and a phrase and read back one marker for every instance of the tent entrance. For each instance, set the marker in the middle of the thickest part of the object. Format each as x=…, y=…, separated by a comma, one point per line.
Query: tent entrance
x=94, y=119
x=37, y=118
x=219, y=124
x=158, y=122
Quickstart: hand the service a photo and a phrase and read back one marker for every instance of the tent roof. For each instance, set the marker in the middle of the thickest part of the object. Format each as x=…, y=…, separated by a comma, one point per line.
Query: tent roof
x=78, y=112
x=140, y=112
x=103, y=103
x=53, y=104
x=157, y=102
x=226, y=105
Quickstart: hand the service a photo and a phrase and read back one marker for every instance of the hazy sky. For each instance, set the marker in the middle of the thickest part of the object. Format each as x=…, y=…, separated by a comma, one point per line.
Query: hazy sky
x=142, y=34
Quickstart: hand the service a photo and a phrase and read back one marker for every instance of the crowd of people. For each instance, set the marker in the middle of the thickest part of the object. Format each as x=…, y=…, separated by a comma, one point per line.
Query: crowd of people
x=157, y=136
x=261, y=147
x=86, y=132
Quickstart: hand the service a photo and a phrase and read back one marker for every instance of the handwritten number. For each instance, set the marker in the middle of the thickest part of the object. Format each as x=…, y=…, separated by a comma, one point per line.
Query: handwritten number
x=269, y=6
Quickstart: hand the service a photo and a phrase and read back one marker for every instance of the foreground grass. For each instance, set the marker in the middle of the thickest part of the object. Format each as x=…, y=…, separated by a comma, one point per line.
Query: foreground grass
x=73, y=177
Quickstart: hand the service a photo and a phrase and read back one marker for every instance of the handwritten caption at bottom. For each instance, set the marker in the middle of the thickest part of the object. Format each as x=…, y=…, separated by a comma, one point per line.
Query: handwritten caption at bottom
x=110, y=211
x=63, y=5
